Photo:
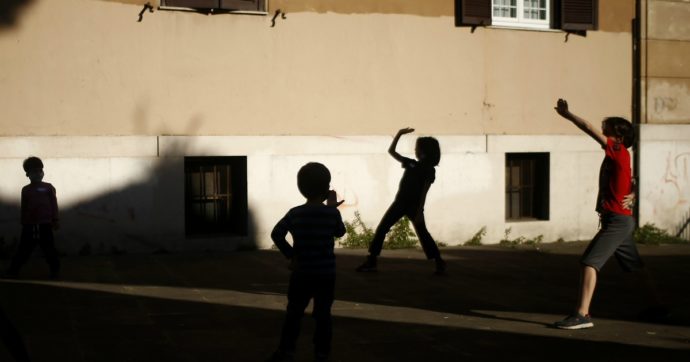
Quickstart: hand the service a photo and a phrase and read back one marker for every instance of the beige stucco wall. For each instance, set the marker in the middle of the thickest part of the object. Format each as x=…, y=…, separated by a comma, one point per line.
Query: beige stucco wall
x=87, y=67
x=666, y=49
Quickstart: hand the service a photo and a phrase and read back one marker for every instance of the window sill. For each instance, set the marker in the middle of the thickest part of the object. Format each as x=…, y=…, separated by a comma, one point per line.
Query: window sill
x=213, y=11
x=516, y=27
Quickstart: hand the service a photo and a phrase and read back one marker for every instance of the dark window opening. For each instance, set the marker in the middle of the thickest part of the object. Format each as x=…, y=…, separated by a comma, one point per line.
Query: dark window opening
x=215, y=196
x=527, y=186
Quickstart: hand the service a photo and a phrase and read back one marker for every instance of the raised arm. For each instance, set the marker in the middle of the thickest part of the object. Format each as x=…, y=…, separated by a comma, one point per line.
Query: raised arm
x=586, y=127
x=394, y=144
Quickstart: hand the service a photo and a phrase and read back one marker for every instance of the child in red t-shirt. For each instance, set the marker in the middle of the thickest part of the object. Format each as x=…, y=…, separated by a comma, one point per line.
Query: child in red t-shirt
x=39, y=217
x=614, y=200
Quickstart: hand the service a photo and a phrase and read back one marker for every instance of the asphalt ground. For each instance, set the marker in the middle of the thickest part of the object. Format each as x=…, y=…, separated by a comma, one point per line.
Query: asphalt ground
x=495, y=304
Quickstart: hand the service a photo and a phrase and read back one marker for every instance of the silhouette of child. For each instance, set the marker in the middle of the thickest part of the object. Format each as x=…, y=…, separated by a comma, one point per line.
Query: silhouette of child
x=313, y=227
x=39, y=217
x=615, y=236
x=418, y=176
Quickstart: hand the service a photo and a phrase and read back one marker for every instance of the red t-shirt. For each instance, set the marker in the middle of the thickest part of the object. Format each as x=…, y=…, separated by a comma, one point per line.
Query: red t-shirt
x=39, y=204
x=615, y=179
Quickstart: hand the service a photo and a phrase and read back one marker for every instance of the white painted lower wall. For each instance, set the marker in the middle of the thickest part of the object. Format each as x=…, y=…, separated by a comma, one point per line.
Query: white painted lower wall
x=128, y=192
x=665, y=175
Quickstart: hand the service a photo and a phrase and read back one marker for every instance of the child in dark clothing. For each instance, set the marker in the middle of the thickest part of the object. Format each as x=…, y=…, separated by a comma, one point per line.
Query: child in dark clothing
x=313, y=227
x=418, y=177
x=39, y=217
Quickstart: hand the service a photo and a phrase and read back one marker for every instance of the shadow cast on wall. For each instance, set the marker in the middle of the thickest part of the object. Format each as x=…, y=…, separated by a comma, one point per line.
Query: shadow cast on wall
x=10, y=11
x=144, y=216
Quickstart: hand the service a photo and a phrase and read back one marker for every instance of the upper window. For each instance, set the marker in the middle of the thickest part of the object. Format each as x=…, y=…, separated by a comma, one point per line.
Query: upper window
x=217, y=5
x=521, y=13
x=568, y=15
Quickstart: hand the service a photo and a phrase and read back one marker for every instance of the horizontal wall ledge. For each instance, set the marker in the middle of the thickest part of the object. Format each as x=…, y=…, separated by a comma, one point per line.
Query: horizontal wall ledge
x=78, y=146
x=171, y=146
x=664, y=132
x=541, y=143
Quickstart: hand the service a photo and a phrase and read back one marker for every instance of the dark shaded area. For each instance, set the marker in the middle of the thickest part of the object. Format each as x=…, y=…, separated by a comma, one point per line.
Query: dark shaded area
x=12, y=339
x=62, y=324
x=135, y=218
x=10, y=11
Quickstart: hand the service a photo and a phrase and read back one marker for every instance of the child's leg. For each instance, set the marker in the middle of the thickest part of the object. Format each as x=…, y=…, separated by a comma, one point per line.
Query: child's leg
x=428, y=244
x=588, y=282
x=299, y=293
x=392, y=215
x=323, y=300
x=47, y=243
x=630, y=261
x=27, y=243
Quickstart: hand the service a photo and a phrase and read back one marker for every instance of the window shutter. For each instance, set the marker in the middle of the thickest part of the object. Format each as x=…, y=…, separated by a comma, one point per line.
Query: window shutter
x=246, y=5
x=194, y=4
x=579, y=14
x=472, y=13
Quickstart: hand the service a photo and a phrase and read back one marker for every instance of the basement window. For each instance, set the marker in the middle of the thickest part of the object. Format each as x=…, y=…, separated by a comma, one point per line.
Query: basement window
x=216, y=196
x=527, y=186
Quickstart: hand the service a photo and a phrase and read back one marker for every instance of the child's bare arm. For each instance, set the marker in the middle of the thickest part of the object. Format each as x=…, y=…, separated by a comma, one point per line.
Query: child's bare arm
x=394, y=144
x=562, y=109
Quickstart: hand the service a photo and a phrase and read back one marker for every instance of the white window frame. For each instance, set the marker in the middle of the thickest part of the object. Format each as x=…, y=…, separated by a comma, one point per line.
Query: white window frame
x=520, y=21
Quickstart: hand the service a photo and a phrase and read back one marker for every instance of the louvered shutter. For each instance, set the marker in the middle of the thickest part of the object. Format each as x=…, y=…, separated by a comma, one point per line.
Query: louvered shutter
x=579, y=15
x=472, y=12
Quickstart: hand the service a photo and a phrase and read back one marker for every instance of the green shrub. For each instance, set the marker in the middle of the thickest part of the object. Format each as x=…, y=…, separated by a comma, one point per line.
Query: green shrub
x=401, y=236
x=521, y=240
x=476, y=240
x=651, y=235
x=358, y=235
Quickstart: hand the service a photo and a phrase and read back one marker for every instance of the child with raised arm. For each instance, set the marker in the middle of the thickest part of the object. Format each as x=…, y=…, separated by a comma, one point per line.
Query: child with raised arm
x=615, y=237
x=313, y=227
x=39, y=217
x=418, y=176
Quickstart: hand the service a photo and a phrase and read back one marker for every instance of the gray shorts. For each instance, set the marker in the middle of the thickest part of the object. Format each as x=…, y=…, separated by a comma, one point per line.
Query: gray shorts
x=614, y=238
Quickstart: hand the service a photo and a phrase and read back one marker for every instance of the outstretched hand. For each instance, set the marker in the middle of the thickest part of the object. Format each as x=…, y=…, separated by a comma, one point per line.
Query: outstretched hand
x=405, y=131
x=332, y=199
x=562, y=107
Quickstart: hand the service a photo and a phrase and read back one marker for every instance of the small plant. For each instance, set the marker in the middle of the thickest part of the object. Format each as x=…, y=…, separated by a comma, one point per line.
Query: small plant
x=401, y=236
x=649, y=234
x=357, y=234
x=521, y=240
x=476, y=240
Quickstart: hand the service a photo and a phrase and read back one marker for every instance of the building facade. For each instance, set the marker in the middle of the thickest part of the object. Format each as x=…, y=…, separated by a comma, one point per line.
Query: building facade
x=665, y=114
x=183, y=127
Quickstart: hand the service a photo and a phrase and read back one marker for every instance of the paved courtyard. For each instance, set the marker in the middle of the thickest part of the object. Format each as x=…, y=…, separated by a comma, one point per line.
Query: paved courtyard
x=496, y=304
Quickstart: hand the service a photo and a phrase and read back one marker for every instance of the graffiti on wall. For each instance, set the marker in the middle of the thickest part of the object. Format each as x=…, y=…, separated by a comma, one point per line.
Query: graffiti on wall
x=670, y=194
x=677, y=178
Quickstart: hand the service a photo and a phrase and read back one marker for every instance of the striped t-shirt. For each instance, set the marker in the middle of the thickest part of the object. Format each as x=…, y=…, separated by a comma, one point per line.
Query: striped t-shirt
x=313, y=229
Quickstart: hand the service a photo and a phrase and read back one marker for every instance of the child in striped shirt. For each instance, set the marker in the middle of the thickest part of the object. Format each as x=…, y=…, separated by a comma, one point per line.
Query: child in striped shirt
x=313, y=227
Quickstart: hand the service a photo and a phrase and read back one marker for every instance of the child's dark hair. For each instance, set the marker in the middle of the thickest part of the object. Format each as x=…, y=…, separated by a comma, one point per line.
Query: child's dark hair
x=430, y=148
x=32, y=163
x=313, y=181
x=621, y=127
